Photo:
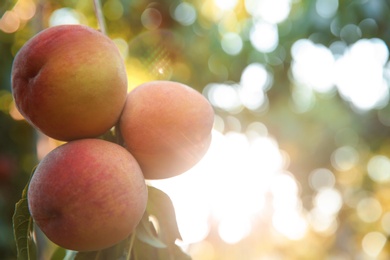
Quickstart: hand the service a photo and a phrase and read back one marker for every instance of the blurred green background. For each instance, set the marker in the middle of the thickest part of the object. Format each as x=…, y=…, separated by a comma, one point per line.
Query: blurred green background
x=299, y=167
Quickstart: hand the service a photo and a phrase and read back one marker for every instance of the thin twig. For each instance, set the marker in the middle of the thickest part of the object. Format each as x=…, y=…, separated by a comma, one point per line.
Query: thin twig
x=132, y=238
x=97, y=256
x=99, y=16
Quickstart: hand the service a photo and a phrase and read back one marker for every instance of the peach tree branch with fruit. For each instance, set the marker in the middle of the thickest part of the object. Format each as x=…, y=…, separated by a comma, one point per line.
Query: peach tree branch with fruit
x=89, y=196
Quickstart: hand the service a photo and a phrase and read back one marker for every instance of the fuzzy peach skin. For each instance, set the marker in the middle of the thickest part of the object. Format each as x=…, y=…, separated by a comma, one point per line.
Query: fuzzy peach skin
x=167, y=127
x=87, y=195
x=69, y=81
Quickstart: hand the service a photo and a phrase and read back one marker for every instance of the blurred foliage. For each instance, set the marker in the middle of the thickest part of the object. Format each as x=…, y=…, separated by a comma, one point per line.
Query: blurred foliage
x=158, y=46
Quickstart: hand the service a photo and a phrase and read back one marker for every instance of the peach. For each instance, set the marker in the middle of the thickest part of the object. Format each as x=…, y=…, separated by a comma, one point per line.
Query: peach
x=87, y=195
x=166, y=126
x=70, y=82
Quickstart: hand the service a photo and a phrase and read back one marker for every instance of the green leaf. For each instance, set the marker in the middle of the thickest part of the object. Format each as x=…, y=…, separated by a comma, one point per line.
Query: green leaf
x=58, y=254
x=148, y=245
x=160, y=206
x=179, y=254
x=145, y=251
x=146, y=233
x=23, y=228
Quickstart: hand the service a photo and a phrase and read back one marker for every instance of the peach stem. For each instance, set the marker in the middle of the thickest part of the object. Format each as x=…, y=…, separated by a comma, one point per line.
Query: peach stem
x=99, y=16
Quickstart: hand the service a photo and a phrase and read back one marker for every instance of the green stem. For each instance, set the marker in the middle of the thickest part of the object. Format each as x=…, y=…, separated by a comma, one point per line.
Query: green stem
x=132, y=238
x=97, y=256
x=99, y=16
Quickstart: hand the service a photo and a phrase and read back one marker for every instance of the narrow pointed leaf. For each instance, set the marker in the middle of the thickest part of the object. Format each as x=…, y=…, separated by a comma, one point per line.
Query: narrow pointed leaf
x=23, y=227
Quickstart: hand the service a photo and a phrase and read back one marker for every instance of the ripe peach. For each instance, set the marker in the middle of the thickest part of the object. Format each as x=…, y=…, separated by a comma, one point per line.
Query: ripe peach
x=167, y=127
x=69, y=81
x=87, y=194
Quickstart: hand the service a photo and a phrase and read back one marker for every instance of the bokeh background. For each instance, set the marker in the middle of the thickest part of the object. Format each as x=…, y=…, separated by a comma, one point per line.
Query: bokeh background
x=299, y=166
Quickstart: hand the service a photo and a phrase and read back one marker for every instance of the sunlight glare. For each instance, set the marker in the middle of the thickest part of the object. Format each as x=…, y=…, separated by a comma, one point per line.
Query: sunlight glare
x=9, y=22
x=327, y=204
x=25, y=9
x=223, y=96
x=255, y=81
x=255, y=77
x=328, y=201
x=321, y=178
x=359, y=76
x=12, y=20
x=231, y=43
x=234, y=97
x=256, y=129
x=303, y=98
x=229, y=185
x=313, y=65
x=113, y=10
x=252, y=100
x=369, y=209
x=204, y=250
x=327, y=8
x=272, y=11
x=264, y=36
x=344, y=158
x=232, y=229
x=151, y=18
x=356, y=71
x=226, y=4
x=291, y=224
x=265, y=155
x=285, y=192
x=378, y=168
x=373, y=243
x=64, y=15
x=185, y=13
x=322, y=223
x=385, y=222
